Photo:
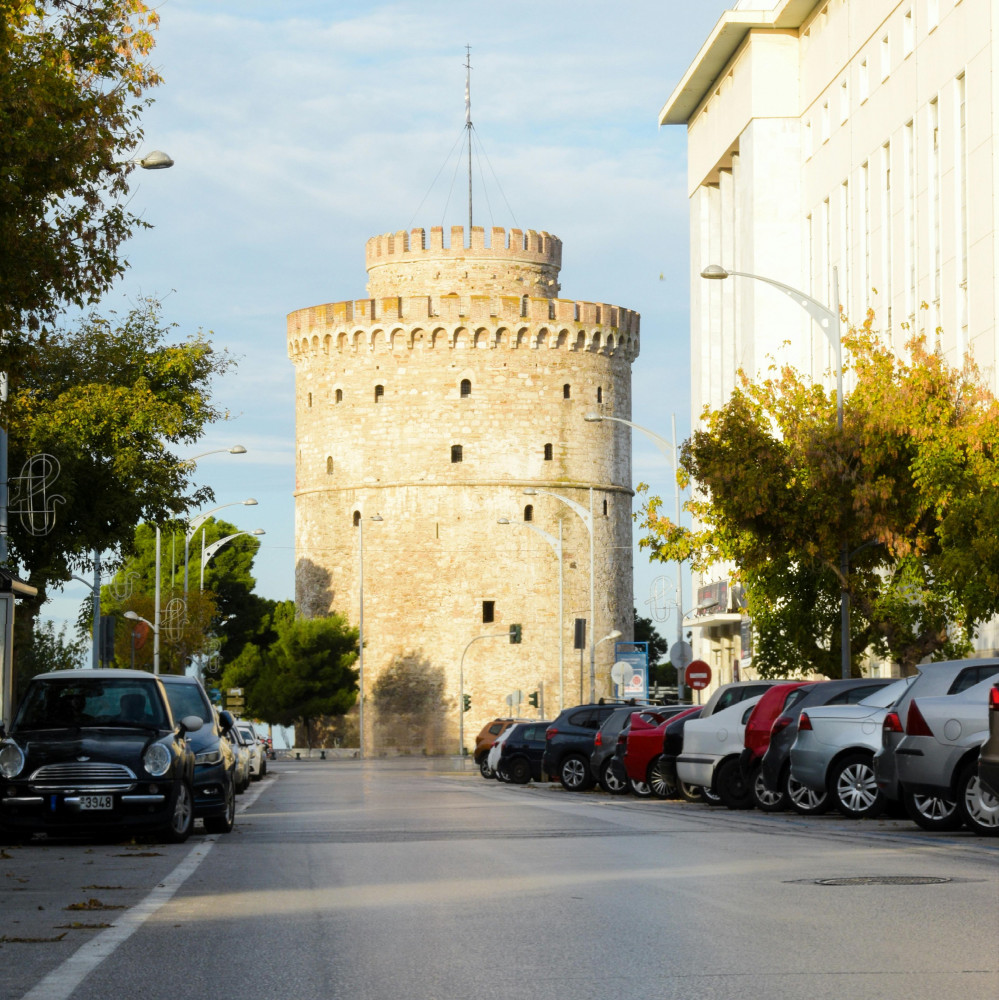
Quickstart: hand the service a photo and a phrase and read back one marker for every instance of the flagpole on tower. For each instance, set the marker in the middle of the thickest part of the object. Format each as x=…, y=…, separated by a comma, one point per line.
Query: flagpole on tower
x=468, y=128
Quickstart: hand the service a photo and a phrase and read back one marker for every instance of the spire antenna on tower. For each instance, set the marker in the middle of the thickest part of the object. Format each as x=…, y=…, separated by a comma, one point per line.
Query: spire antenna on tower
x=468, y=128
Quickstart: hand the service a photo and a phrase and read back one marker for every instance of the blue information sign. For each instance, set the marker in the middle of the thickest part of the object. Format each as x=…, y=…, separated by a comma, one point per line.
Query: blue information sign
x=636, y=655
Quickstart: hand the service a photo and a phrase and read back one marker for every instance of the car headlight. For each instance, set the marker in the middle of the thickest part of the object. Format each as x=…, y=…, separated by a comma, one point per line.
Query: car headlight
x=209, y=757
x=11, y=760
x=156, y=760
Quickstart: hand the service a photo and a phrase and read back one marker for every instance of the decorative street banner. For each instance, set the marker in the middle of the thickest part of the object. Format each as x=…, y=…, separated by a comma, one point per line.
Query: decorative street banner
x=636, y=655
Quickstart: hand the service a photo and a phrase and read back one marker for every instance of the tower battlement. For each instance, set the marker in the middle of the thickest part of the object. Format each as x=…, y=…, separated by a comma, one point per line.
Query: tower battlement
x=511, y=261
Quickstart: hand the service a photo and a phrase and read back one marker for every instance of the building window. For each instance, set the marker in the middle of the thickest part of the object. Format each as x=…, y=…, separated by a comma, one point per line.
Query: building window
x=844, y=101
x=605, y=507
x=466, y=387
x=548, y=452
x=885, y=57
x=808, y=139
x=310, y=399
x=329, y=465
x=338, y=396
x=455, y=453
x=908, y=34
x=488, y=612
x=865, y=82
x=932, y=14
x=379, y=392
x=565, y=391
x=529, y=512
x=600, y=394
x=357, y=518
x=825, y=121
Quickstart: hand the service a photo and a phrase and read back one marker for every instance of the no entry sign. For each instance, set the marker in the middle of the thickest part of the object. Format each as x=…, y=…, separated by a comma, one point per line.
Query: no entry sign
x=698, y=675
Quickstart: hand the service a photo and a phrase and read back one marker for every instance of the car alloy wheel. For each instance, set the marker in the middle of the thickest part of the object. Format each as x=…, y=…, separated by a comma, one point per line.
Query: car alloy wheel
x=574, y=774
x=734, y=790
x=639, y=788
x=691, y=793
x=854, y=788
x=519, y=771
x=484, y=769
x=931, y=812
x=181, y=815
x=803, y=800
x=611, y=779
x=979, y=807
x=710, y=797
x=765, y=797
x=661, y=779
x=225, y=822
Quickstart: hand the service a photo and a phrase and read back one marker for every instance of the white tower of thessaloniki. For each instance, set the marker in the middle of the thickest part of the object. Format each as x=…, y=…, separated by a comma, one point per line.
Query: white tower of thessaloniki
x=459, y=382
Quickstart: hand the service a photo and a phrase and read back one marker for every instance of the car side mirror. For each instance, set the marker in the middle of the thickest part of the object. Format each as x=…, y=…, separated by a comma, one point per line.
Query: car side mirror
x=190, y=724
x=226, y=721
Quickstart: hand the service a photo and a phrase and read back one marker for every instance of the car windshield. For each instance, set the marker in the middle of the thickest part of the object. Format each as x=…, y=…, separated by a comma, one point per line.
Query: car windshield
x=186, y=699
x=55, y=703
x=887, y=696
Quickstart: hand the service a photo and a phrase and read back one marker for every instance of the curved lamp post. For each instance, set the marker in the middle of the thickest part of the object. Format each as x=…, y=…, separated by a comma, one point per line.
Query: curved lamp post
x=587, y=518
x=830, y=323
x=199, y=520
x=360, y=631
x=670, y=452
x=556, y=544
x=133, y=616
x=215, y=546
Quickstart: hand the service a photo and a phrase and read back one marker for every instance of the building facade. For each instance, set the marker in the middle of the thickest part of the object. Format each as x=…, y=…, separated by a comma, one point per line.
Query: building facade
x=423, y=413
x=839, y=141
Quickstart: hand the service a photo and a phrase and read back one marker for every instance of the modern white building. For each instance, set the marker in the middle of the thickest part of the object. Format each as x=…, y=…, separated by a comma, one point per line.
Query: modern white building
x=846, y=137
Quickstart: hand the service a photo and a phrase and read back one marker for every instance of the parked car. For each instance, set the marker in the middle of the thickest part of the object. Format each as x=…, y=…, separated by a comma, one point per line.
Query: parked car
x=605, y=766
x=493, y=756
x=751, y=790
x=988, y=761
x=712, y=747
x=241, y=749
x=939, y=678
x=484, y=742
x=521, y=752
x=258, y=758
x=214, y=761
x=775, y=770
x=97, y=750
x=570, y=740
x=937, y=761
x=645, y=752
x=735, y=691
x=833, y=752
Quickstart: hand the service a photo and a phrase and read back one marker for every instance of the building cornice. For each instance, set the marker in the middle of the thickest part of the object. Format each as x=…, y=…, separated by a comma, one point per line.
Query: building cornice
x=724, y=41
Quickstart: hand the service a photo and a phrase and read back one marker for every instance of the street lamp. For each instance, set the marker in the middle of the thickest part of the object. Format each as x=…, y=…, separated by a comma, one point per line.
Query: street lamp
x=830, y=323
x=587, y=518
x=132, y=616
x=670, y=452
x=360, y=629
x=197, y=521
x=207, y=554
x=556, y=544
x=156, y=160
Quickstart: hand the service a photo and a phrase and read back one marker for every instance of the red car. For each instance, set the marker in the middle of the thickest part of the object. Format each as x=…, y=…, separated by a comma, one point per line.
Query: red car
x=741, y=787
x=644, y=749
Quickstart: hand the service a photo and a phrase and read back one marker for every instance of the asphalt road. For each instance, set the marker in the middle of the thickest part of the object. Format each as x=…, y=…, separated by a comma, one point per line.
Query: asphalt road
x=351, y=880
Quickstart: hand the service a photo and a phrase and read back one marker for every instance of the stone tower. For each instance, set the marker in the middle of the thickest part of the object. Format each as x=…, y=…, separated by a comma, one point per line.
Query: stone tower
x=459, y=382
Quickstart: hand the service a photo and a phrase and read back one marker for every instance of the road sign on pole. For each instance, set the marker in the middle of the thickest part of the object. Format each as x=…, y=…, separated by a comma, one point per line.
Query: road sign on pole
x=698, y=675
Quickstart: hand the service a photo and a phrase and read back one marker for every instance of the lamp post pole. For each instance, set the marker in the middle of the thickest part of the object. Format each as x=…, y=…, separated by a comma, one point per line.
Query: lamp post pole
x=556, y=544
x=831, y=324
x=199, y=520
x=587, y=518
x=207, y=554
x=671, y=453
x=360, y=631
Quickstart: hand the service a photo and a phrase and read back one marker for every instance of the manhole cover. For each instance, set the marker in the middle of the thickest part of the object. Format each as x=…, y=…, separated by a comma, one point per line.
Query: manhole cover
x=884, y=880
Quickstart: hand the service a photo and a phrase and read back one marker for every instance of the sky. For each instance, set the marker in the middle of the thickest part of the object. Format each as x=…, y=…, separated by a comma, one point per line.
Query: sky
x=300, y=129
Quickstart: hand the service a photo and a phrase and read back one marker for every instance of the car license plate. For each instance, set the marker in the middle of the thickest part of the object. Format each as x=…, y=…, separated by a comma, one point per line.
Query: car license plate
x=96, y=802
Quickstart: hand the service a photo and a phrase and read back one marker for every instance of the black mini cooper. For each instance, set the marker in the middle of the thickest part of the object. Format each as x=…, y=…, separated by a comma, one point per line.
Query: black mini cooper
x=94, y=750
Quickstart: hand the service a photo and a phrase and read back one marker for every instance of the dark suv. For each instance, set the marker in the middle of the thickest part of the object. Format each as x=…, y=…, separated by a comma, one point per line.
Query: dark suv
x=520, y=758
x=214, y=760
x=569, y=743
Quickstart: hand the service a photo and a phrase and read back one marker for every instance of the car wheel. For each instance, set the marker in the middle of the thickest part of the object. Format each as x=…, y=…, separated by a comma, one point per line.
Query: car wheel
x=484, y=769
x=691, y=793
x=661, y=778
x=803, y=800
x=710, y=797
x=520, y=771
x=733, y=788
x=639, y=788
x=224, y=823
x=263, y=766
x=854, y=788
x=978, y=805
x=612, y=781
x=765, y=798
x=574, y=773
x=931, y=812
x=181, y=814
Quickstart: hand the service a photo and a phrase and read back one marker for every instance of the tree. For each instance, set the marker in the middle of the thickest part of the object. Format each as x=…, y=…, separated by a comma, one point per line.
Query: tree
x=307, y=673
x=903, y=491
x=661, y=671
x=72, y=78
x=49, y=649
x=106, y=400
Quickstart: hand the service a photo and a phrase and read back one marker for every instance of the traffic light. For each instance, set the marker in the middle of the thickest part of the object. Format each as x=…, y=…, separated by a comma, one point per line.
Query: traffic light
x=532, y=699
x=515, y=633
x=466, y=702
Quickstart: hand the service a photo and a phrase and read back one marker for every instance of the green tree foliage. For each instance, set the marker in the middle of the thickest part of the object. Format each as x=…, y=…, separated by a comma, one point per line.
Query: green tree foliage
x=306, y=674
x=107, y=400
x=72, y=78
x=905, y=489
x=661, y=671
